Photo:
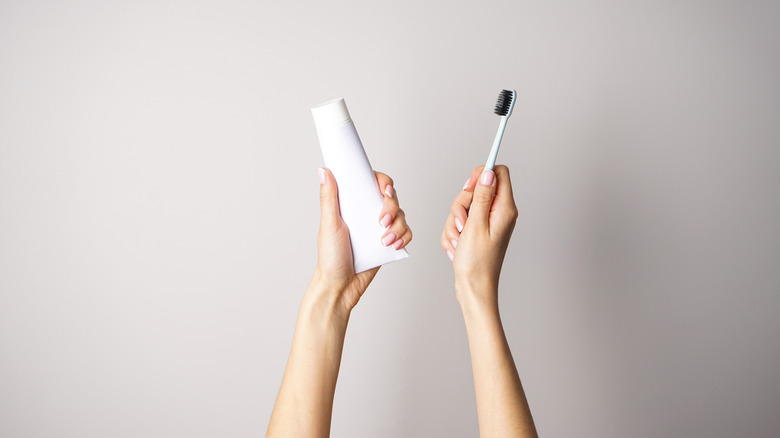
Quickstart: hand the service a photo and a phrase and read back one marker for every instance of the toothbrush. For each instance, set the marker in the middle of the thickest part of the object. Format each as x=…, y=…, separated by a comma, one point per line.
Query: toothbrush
x=504, y=106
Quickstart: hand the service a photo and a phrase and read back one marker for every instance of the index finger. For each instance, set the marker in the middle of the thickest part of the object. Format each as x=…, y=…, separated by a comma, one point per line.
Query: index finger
x=385, y=184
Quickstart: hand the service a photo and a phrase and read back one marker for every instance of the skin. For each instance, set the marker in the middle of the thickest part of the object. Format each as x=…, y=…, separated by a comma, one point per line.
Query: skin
x=305, y=402
x=475, y=237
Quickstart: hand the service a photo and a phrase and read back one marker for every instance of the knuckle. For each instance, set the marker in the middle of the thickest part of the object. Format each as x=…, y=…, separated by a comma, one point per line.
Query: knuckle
x=399, y=226
x=383, y=178
x=452, y=233
x=390, y=202
x=448, y=235
x=483, y=197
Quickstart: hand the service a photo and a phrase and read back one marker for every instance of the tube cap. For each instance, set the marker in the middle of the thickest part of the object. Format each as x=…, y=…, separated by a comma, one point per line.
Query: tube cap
x=331, y=113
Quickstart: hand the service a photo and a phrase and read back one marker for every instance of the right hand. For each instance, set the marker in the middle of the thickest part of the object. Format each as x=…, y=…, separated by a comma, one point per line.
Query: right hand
x=477, y=232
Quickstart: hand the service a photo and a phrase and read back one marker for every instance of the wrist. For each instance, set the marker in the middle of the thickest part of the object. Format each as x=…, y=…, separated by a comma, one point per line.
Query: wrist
x=323, y=301
x=477, y=297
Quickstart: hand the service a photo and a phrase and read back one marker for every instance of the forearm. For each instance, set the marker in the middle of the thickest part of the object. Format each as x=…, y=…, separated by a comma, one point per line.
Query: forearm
x=305, y=401
x=502, y=408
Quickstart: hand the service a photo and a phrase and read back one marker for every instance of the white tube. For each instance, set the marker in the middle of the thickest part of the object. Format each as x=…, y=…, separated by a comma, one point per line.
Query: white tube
x=360, y=200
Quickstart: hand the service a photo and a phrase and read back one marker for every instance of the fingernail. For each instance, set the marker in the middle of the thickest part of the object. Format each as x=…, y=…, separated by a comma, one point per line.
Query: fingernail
x=459, y=225
x=386, y=220
x=454, y=243
x=398, y=243
x=390, y=238
x=321, y=174
x=449, y=254
x=389, y=191
x=465, y=186
x=487, y=177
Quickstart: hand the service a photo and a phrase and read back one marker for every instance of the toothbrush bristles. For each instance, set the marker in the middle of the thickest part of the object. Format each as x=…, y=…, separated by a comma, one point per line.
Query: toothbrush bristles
x=504, y=102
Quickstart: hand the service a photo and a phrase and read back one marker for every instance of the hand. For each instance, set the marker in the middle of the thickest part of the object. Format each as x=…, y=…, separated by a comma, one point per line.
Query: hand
x=477, y=231
x=335, y=271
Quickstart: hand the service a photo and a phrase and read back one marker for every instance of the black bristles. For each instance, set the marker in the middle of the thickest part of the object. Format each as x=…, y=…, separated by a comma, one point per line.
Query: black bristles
x=504, y=102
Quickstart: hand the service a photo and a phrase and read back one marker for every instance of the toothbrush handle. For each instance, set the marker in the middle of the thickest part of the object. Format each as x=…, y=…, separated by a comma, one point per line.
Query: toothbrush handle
x=491, y=161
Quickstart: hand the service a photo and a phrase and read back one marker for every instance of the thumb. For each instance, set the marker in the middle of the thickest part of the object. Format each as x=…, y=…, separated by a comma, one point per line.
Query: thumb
x=484, y=193
x=329, y=199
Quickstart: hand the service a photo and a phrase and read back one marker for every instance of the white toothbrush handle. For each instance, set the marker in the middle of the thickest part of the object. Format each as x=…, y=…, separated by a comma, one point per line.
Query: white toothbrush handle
x=491, y=161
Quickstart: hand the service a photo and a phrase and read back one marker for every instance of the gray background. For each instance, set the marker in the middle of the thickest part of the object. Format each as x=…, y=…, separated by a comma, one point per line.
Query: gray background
x=158, y=211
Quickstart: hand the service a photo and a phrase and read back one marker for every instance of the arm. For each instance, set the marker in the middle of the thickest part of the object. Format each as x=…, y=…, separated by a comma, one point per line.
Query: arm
x=305, y=401
x=476, y=236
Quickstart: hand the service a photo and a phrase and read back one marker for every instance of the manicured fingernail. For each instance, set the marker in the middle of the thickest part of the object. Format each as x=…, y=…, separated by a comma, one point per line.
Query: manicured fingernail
x=389, y=191
x=390, y=238
x=449, y=254
x=459, y=225
x=454, y=243
x=465, y=186
x=321, y=174
x=386, y=220
x=398, y=243
x=487, y=177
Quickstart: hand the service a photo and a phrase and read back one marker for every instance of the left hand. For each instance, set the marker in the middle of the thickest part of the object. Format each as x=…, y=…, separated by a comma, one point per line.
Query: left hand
x=335, y=270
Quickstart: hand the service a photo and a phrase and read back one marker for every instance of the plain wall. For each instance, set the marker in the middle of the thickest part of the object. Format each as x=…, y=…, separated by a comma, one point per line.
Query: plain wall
x=159, y=209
